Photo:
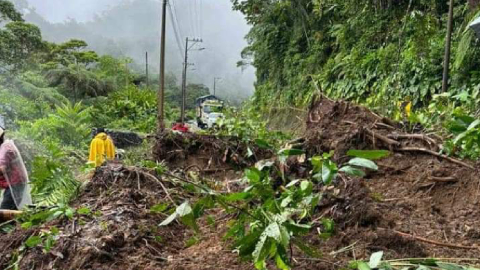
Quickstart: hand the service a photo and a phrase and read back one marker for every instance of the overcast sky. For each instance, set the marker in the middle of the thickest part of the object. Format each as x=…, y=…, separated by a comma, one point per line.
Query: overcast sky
x=136, y=27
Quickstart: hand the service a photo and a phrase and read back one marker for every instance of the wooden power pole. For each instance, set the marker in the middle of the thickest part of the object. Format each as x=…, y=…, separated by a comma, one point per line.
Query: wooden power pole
x=448, y=44
x=161, y=92
x=146, y=69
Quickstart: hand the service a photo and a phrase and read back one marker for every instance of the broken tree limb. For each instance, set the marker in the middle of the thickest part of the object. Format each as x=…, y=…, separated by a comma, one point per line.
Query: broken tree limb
x=433, y=153
x=443, y=179
x=413, y=136
x=382, y=138
x=406, y=235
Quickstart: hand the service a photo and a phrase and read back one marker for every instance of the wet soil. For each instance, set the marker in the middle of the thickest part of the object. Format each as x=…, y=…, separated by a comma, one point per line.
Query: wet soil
x=416, y=205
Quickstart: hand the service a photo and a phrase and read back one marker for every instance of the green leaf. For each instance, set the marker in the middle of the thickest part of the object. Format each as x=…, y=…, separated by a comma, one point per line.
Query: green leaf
x=363, y=266
x=369, y=154
x=233, y=197
x=254, y=175
x=247, y=244
x=263, y=144
x=329, y=171
x=69, y=213
x=306, y=186
x=84, y=211
x=375, y=259
x=316, y=163
x=328, y=225
x=365, y=163
x=159, y=208
x=352, y=171
x=298, y=228
x=290, y=152
x=259, y=247
x=27, y=225
x=281, y=264
x=284, y=237
x=33, y=241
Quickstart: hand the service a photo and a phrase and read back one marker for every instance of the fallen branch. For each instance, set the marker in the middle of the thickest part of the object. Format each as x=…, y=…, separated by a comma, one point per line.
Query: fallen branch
x=443, y=179
x=433, y=153
x=422, y=137
x=382, y=138
x=433, y=242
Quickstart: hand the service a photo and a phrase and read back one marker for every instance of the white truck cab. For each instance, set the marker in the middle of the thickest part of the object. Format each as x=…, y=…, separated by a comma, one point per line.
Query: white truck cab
x=209, y=111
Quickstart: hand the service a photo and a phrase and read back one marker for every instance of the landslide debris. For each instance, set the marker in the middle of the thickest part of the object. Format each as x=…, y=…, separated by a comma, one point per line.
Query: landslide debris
x=418, y=204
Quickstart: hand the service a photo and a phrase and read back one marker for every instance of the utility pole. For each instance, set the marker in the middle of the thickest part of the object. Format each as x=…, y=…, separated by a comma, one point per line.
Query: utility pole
x=215, y=85
x=184, y=79
x=161, y=92
x=448, y=44
x=146, y=69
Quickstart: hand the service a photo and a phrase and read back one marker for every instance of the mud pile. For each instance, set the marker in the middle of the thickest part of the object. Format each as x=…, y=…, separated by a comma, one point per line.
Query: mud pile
x=418, y=204
x=207, y=152
x=120, y=232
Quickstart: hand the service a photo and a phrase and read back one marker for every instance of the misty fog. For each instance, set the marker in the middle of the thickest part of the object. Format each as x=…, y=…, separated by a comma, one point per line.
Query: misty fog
x=132, y=27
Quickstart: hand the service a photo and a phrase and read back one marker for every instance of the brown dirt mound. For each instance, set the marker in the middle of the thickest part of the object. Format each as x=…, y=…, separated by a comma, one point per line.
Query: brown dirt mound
x=415, y=192
x=123, y=234
x=206, y=152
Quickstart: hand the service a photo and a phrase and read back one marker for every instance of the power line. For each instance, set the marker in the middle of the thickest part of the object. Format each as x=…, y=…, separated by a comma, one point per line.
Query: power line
x=191, y=18
x=176, y=30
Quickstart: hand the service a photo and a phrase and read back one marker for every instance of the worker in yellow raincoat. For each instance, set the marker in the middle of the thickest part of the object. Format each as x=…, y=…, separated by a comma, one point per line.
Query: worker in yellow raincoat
x=101, y=148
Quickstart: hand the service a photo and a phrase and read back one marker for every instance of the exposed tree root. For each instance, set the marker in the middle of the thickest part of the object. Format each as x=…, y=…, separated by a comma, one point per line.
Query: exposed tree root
x=432, y=241
x=433, y=153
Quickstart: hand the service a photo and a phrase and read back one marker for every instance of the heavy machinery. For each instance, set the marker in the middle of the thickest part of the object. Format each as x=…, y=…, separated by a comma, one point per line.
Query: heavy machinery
x=209, y=111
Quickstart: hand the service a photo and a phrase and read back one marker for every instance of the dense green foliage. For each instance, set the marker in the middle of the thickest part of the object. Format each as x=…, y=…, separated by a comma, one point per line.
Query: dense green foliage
x=52, y=95
x=375, y=52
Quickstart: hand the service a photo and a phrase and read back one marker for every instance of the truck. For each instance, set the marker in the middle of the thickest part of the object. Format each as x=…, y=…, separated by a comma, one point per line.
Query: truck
x=209, y=111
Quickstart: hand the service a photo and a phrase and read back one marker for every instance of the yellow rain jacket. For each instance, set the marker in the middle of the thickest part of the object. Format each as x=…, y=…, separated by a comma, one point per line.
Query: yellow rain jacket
x=101, y=148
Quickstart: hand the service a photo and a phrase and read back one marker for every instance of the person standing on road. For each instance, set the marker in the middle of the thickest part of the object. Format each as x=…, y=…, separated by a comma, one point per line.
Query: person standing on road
x=13, y=176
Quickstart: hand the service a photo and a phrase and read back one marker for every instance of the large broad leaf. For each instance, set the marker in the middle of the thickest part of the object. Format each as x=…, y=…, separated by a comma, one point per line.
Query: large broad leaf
x=369, y=154
x=352, y=171
x=375, y=259
x=365, y=163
